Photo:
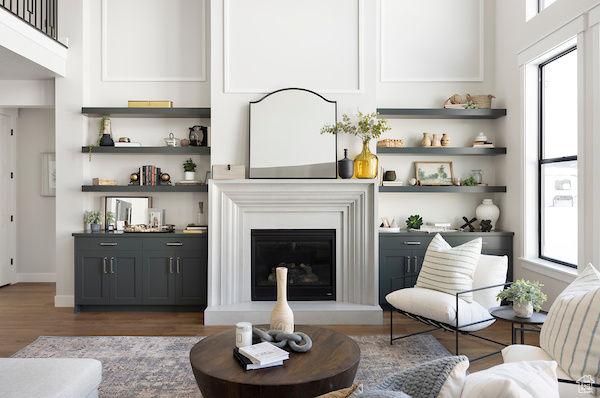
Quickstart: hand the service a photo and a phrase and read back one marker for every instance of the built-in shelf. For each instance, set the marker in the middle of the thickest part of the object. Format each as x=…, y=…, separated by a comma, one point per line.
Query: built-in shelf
x=441, y=151
x=443, y=188
x=144, y=188
x=440, y=113
x=203, y=113
x=167, y=150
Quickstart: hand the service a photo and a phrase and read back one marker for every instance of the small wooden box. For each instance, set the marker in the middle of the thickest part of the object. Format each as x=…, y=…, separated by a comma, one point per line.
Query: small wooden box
x=104, y=181
x=150, y=104
x=229, y=172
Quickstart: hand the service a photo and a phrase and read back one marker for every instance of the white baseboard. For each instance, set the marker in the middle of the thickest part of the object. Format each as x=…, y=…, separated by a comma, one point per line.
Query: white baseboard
x=64, y=301
x=36, y=277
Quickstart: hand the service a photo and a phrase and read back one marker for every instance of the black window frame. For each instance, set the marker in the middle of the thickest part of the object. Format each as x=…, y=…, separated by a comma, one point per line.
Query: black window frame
x=541, y=160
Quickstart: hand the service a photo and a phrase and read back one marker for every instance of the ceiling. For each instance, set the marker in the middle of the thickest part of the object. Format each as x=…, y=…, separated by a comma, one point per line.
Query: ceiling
x=16, y=67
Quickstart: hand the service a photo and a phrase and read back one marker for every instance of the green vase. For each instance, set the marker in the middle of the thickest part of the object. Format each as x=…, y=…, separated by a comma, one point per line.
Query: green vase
x=365, y=164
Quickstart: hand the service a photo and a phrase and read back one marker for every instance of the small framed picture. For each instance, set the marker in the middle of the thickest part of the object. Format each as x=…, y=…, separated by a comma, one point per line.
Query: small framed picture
x=156, y=217
x=434, y=173
x=48, y=174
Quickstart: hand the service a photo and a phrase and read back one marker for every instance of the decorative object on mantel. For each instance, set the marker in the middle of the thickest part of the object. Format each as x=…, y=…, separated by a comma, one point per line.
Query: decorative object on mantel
x=446, y=141
x=189, y=170
x=390, y=143
x=198, y=135
x=110, y=221
x=477, y=175
x=426, y=141
x=105, y=136
x=172, y=141
x=390, y=175
x=414, y=222
x=469, y=182
x=365, y=164
x=184, y=142
x=468, y=224
x=412, y=181
x=454, y=102
x=525, y=296
x=280, y=339
x=148, y=228
x=282, y=317
x=94, y=218
x=486, y=225
x=345, y=166
x=104, y=181
x=228, y=172
x=150, y=104
x=487, y=210
x=482, y=101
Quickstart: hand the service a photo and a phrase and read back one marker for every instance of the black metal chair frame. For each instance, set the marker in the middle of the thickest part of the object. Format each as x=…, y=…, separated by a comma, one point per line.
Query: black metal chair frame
x=441, y=325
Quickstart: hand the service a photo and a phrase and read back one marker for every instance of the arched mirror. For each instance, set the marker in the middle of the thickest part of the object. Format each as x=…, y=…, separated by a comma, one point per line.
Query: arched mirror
x=286, y=139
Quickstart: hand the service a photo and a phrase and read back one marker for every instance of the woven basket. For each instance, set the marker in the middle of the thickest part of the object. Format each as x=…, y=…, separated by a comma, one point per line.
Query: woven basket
x=482, y=101
x=388, y=143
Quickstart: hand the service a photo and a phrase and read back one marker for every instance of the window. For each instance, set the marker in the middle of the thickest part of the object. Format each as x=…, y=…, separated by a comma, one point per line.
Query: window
x=544, y=3
x=557, y=166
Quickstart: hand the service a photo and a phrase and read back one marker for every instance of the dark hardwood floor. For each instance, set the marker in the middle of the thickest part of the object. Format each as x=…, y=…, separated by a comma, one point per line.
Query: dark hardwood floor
x=27, y=311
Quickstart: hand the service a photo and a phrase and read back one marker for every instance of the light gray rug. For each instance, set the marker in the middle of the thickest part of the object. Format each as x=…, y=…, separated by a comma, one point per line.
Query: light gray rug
x=160, y=367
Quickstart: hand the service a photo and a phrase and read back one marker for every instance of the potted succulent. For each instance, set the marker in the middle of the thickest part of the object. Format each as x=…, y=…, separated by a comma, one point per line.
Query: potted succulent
x=189, y=168
x=525, y=295
x=414, y=222
x=367, y=127
x=94, y=218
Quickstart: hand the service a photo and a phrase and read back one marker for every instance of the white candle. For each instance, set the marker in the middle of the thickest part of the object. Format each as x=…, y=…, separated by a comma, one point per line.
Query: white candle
x=243, y=334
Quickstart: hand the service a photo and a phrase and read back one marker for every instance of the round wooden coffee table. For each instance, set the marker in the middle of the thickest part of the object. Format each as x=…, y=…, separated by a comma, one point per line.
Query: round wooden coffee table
x=329, y=365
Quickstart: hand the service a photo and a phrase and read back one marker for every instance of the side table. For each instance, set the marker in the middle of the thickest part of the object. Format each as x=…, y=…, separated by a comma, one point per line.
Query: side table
x=506, y=313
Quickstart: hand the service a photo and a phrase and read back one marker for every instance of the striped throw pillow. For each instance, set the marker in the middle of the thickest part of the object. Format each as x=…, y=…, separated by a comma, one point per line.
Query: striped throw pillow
x=450, y=269
x=571, y=332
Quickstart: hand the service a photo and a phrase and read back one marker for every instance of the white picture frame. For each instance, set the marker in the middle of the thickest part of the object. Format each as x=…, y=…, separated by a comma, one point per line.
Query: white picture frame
x=156, y=217
x=48, y=179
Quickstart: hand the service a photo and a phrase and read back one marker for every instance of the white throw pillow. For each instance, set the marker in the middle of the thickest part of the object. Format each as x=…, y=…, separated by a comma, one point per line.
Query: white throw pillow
x=535, y=379
x=490, y=271
x=571, y=332
x=453, y=385
x=450, y=269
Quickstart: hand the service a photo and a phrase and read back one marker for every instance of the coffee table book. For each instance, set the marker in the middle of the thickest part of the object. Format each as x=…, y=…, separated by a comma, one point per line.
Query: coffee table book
x=248, y=365
x=263, y=353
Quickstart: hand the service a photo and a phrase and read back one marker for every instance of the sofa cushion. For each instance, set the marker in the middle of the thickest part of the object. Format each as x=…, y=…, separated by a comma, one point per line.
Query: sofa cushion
x=571, y=333
x=440, y=307
x=490, y=271
x=449, y=269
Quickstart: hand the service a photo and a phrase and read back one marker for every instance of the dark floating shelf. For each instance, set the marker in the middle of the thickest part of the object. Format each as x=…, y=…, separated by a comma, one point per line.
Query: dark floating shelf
x=443, y=188
x=441, y=151
x=441, y=113
x=148, y=112
x=144, y=188
x=167, y=150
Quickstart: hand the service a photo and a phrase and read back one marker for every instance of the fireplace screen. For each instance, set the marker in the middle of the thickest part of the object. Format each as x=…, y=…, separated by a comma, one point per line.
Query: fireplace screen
x=309, y=255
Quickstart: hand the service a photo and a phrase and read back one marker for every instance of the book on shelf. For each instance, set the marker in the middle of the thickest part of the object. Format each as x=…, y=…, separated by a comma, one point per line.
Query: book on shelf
x=127, y=144
x=393, y=183
x=189, y=182
x=455, y=106
x=483, y=144
x=438, y=224
x=202, y=227
x=264, y=353
x=247, y=364
x=195, y=231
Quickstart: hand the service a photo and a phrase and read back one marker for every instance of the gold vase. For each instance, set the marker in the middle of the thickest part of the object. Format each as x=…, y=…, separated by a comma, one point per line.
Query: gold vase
x=365, y=164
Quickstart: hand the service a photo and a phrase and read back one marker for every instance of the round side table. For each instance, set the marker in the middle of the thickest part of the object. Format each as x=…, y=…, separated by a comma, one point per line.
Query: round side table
x=506, y=313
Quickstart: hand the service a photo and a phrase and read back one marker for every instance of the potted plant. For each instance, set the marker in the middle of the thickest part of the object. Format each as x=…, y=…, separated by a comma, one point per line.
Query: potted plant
x=414, y=222
x=367, y=127
x=525, y=295
x=94, y=218
x=189, y=168
x=110, y=221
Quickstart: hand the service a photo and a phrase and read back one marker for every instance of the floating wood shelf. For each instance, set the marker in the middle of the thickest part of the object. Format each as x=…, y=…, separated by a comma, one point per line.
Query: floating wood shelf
x=167, y=150
x=144, y=188
x=441, y=151
x=203, y=113
x=442, y=188
x=441, y=113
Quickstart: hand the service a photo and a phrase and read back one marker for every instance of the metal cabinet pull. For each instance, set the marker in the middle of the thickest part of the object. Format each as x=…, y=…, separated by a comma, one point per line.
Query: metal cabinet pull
x=416, y=263
x=112, y=260
x=412, y=243
x=108, y=243
x=483, y=242
x=174, y=243
x=178, y=266
x=170, y=265
x=104, y=265
x=408, y=265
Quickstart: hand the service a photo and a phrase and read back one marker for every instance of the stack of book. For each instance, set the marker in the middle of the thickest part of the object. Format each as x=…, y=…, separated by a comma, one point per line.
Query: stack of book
x=455, y=106
x=259, y=356
x=150, y=175
x=483, y=144
x=195, y=229
x=189, y=182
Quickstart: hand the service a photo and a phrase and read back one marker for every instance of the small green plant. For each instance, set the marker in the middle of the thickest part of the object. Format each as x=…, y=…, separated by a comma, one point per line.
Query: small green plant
x=110, y=217
x=414, y=222
x=469, y=182
x=471, y=105
x=92, y=217
x=189, y=165
x=366, y=128
x=522, y=291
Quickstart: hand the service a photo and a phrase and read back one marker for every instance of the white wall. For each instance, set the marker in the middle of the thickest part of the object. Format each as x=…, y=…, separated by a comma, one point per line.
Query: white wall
x=36, y=217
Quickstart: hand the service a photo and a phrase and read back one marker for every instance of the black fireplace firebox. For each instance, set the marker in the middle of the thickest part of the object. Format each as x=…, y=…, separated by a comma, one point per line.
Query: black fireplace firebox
x=309, y=255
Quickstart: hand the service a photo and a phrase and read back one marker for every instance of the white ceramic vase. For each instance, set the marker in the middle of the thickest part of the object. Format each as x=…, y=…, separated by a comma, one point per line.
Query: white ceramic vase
x=189, y=175
x=524, y=310
x=487, y=210
x=282, y=317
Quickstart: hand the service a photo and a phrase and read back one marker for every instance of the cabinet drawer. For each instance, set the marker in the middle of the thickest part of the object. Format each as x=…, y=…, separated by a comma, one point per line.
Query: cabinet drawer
x=107, y=242
x=179, y=243
x=488, y=242
x=403, y=241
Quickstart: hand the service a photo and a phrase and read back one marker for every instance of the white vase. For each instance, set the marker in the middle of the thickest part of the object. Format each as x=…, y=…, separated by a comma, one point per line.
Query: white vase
x=524, y=310
x=189, y=175
x=487, y=210
x=282, y=317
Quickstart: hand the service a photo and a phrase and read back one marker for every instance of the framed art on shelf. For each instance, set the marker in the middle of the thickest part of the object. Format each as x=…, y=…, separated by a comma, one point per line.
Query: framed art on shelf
x=156, y=217
x=434, y=173
x=48, y=174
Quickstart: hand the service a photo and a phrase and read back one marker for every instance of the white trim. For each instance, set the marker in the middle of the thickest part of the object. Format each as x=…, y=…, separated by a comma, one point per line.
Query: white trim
x=201, y=77
x=553, y=43
x=594, y=16
x=477, y=78
x=227, y=88
x=559, y=272
x=36, y=277
x=64, y=301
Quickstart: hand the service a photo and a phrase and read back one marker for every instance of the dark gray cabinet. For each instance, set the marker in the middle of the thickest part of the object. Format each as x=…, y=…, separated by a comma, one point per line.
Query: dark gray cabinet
x=401, y=254
x=140, y=271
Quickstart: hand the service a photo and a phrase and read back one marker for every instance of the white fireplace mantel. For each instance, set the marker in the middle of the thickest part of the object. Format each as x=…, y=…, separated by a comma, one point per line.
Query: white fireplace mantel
x=238, y=206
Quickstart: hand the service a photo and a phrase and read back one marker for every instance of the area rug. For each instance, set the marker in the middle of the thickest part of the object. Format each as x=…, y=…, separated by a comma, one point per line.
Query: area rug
x=160, y=366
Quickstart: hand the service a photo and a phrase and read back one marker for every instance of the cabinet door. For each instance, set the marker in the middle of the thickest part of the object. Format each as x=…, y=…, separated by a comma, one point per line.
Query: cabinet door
x=159, y=278
x=125, y=269
x=91, y=277
x=392, y=263
x=191, y=268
